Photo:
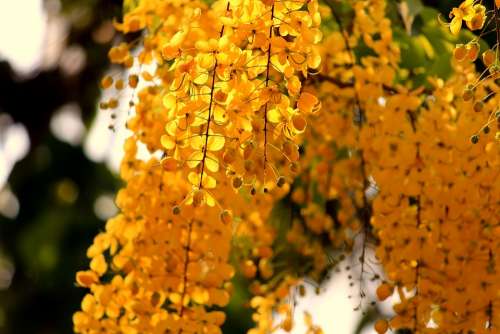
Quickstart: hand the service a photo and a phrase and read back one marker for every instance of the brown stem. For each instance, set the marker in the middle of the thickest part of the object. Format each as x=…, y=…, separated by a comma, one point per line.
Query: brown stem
x=205, y=147
x=267, y=85
x=187, y=249
x=417, y=268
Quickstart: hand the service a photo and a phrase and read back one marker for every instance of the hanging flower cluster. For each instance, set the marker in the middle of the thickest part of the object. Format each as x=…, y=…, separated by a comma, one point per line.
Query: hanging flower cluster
x=488, y=22
x=233, y=103
x=152, y=269
x=218, y=93
x=440, y=226
x=432, y=197
x=221, y=98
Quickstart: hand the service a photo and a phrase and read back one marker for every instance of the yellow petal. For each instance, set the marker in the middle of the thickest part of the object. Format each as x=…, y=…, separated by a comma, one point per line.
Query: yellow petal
x=86, y=278
x=200, y=118
x=194, y=178
x=99, y=265
x=455, y=25
x=299, y=123
x=209, y=199
x=171, y=127
x=314, y=59
x=293, y=85
x=274, y=116
x=198, y=142
x=215, y=142
x=169, y=164
x=224, y=43
x=170, y=101
x=201, y=78
x=209, y=183
x=167, y=142
x=212, y=163
x=220, y=116
x=195, y=159
x=308, y=103
x=175, y=298
x=178, y=37
x=199, y=295
x=206, y=60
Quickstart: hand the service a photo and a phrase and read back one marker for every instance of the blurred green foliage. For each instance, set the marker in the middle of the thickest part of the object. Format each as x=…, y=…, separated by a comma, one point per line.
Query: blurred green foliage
x=56, y=185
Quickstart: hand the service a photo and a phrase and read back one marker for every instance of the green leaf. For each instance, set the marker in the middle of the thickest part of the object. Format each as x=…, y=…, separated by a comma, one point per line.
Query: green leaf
x=367, y=320
x=412, y=53
x=408, y=10
x=130, y=5
x=415, y=7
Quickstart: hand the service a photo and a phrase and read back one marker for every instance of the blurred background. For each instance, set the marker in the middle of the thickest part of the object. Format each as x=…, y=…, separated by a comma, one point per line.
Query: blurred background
x=58, y=164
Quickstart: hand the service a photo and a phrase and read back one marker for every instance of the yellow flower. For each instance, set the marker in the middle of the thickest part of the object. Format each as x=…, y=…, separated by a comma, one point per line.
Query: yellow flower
x=478, y=19
x=464, y=12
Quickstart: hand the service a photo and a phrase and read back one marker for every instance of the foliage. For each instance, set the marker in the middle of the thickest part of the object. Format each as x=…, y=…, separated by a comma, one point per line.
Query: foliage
x=45, y=244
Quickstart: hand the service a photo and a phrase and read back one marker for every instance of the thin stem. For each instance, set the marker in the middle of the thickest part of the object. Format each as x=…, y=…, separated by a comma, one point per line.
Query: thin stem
x=417, y=268
x=497, y=24
x=267, y=85
x=205, y=148
x=187, y=249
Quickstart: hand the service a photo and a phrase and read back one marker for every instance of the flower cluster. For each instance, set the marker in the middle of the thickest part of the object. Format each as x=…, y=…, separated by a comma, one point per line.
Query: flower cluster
x=431, y=196
x=441, y=225
x=473, y=14
x=477, y=17
x=233, y=102
x=221, y=98
x=152, y=269
x=218, y=94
